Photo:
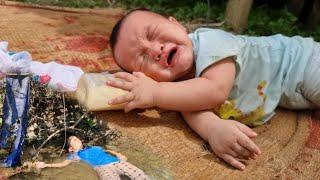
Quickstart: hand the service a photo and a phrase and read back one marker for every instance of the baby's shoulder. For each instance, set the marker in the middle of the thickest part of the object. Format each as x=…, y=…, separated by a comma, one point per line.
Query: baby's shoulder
x=73, y=157
x=207, y=36
x=212, y=32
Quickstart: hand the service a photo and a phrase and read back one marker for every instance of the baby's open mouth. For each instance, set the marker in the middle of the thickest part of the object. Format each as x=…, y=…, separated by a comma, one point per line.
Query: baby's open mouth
x=171, y=55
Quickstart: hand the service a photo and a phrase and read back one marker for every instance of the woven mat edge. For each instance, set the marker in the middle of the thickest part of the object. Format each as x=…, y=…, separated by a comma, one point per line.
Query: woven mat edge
x=98, y=11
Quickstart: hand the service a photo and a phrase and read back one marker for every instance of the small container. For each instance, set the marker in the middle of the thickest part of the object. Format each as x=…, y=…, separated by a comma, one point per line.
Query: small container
x=94, y=93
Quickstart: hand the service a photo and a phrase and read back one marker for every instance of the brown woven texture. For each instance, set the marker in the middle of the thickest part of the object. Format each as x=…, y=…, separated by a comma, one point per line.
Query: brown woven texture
x=160, y=143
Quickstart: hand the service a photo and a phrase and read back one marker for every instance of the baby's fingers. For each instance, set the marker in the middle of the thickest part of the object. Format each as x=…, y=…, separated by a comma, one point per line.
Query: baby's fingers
x=236, y=155
x=139, y=74
x=124, y=75
x=120, y=84
x=129, y=106
x=233, y=161
x=241, y=152
x=246, y=130
x=247, y=143
x=121, y=99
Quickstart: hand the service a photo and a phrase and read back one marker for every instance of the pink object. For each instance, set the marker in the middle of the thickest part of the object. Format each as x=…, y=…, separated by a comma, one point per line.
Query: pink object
x=44, y=79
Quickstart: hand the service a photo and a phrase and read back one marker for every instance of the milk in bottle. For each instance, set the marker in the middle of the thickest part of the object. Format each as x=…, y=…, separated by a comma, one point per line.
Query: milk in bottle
x=94, y=93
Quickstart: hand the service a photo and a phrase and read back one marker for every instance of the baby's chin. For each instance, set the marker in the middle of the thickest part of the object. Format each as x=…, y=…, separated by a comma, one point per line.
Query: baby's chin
x=172, y=74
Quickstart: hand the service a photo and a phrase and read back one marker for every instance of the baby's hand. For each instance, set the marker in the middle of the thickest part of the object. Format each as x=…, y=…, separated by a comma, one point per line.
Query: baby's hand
x=40, y=165
x=141, y=90
x=230, y=140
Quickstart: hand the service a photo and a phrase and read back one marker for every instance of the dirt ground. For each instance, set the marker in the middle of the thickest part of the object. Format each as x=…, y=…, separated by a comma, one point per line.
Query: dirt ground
x=158, y=142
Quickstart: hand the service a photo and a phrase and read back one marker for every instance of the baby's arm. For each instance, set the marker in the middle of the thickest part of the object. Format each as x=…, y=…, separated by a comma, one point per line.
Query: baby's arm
x=230, y=140
x=196, y=94
x=120, y=156
x=205, y=92
x=41, y=165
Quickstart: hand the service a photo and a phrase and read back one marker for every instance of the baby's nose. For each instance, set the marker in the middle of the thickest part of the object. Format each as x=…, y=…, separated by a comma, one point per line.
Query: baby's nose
x=156, y=51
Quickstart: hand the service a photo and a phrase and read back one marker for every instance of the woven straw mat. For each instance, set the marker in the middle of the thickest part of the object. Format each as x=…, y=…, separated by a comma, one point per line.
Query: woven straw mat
x=158, y=142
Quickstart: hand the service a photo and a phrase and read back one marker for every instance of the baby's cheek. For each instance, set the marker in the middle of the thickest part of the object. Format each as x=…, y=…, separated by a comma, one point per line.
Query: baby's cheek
x=186, y=60
x=167, y=76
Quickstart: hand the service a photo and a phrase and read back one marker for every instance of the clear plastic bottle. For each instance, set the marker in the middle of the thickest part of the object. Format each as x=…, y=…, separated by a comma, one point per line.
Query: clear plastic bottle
x=94, y=93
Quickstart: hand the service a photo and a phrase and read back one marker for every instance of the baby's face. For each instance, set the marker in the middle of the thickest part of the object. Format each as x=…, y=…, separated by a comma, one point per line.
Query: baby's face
x=75, y=144
x=155, y=45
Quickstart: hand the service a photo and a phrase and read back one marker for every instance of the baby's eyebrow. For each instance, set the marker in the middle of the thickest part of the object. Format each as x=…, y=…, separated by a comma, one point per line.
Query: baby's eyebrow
x=146, y=30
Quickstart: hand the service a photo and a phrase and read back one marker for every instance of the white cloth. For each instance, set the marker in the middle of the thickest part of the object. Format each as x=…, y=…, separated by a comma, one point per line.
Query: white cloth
x=58, y=77
x=62, y=77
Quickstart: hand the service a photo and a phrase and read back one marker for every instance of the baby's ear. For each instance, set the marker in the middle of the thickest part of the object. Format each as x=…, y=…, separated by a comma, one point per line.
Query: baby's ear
x=174, y=20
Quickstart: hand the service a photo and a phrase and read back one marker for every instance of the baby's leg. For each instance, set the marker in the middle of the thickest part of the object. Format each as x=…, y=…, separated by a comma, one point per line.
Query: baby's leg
x=107, y=172
x=131, y=171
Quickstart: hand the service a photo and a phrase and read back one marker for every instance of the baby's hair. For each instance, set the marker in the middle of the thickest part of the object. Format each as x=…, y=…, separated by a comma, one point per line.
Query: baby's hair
x=69, y=140
x=116, y=29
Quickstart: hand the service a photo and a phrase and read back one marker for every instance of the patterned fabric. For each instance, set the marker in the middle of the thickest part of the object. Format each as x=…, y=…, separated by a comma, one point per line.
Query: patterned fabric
x=269, y=71
x=310, y=87
x=115, y=170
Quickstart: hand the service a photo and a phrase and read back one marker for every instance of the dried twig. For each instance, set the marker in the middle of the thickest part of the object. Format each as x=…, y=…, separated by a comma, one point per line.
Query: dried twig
x=64, y=124
x=73, y=127
x=49, y=118
x=54, y=134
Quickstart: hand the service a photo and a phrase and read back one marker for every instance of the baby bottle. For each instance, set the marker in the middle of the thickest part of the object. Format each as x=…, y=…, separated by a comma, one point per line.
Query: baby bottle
x=94, y=93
